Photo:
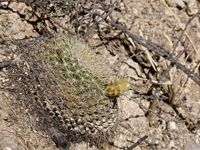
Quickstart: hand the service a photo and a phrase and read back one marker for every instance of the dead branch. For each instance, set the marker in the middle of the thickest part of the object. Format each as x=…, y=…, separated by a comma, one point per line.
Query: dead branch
x=189, y=21
x=138, y=142
x=136, y=134
x=159, y=50
x=5, y=64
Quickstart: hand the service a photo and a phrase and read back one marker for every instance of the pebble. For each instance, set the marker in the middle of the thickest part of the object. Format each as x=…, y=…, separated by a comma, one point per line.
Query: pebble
x=172, y=126
x=176, y=3
x=192, y=7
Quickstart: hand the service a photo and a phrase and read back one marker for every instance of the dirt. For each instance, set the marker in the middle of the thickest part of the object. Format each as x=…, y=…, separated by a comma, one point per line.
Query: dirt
x=23, y=27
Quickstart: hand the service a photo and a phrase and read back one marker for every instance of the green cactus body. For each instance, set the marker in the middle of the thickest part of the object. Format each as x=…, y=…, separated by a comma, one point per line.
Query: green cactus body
x=80, y=76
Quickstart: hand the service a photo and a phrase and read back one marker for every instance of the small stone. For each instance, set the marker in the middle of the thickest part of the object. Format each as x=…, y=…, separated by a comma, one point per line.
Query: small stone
x=180, y=3
x=168, y=12
x=172, y=144
x=29, y=32
x=172, y=126
x=121, y=20
x=192, y=7
x=176, y=3
x=7, y=148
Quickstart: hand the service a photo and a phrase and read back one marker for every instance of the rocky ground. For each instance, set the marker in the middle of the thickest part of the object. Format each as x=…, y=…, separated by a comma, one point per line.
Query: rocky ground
x=161, y=22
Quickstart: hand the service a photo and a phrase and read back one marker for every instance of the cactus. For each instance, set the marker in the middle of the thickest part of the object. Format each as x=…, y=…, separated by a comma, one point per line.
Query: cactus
x=77, y=74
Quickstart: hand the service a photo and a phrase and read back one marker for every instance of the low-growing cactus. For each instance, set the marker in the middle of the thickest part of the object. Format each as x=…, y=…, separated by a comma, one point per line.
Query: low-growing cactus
x=77, y=74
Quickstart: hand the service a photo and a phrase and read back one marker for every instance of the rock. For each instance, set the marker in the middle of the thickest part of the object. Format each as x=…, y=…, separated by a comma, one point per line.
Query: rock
x=172, y=126
x=128, y=108
x=180, y=3
x=192, y=7
x=12, y=26
x=136, y=69
x=176, y=3
x=190, y=144
x=18, y=7
x=168, y=12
